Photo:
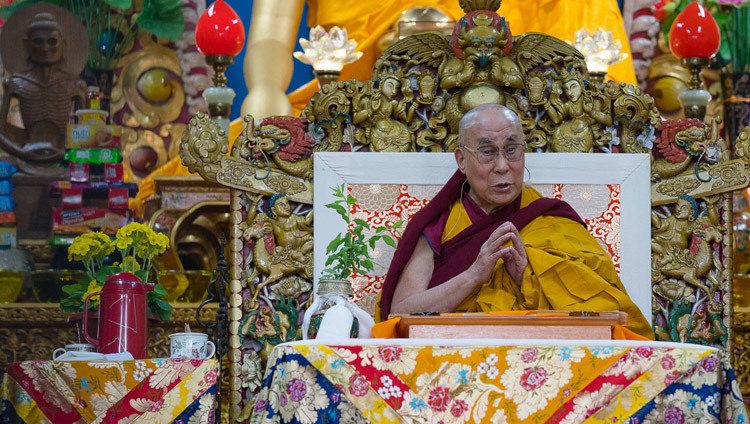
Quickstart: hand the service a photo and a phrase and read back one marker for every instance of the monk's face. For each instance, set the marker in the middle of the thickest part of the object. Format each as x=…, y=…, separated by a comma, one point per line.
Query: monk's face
x=499, y=182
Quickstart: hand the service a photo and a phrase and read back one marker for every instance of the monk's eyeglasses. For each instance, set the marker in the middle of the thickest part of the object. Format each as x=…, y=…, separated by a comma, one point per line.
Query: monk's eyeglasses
x=488, y=154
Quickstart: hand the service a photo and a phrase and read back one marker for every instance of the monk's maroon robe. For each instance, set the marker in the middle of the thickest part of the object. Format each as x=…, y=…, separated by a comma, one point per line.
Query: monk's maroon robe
x=457, y=254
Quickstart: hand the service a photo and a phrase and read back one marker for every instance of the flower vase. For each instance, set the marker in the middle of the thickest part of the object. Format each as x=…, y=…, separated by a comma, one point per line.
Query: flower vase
x=104, y=80
x=736, y=92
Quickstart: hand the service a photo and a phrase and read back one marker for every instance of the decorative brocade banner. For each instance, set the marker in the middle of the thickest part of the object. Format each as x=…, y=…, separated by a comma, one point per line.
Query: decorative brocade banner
x=142, y=391
x=612, y=383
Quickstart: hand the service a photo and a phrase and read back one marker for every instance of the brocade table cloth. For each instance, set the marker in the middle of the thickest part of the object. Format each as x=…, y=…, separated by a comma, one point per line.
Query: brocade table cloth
x=139, y=391
x=492, y=381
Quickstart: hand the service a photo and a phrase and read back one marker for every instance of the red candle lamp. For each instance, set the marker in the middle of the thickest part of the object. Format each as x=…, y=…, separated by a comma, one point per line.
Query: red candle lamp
x=220, y=35
x=694, y=33
x=694, y=38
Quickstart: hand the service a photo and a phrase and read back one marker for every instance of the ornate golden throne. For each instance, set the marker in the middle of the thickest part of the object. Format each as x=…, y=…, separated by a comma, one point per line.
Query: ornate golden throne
x=420, y=88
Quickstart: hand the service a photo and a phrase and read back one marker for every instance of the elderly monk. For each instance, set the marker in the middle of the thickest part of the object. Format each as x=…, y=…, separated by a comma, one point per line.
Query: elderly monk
x=487, y=243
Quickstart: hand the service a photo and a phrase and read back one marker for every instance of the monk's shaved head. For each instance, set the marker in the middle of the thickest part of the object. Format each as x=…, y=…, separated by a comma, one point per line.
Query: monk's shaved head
x=470, y=118
x=488, y=136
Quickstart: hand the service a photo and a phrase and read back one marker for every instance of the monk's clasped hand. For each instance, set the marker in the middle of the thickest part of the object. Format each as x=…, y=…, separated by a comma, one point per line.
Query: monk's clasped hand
x=514, y=255
x=494, y=249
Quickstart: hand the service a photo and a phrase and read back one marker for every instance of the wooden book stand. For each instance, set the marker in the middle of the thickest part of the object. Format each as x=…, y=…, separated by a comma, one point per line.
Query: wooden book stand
x=540, y=325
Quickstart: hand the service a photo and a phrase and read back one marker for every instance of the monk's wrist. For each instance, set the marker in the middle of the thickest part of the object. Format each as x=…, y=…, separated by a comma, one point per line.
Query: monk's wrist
x=474, y=276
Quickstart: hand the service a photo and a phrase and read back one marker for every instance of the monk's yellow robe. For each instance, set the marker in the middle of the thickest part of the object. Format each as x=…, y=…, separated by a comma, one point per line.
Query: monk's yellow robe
x=568, y=270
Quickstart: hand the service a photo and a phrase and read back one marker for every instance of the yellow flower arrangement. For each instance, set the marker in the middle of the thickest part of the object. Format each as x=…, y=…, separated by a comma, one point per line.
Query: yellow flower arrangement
x=93, y=288
x=137, y=244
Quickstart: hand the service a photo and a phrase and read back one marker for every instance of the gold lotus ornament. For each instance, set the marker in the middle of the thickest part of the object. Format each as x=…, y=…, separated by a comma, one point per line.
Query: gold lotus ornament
x=599, y=51
x=328, y=52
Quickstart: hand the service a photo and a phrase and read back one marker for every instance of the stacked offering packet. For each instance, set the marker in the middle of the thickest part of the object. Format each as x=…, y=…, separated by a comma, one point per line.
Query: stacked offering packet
x=94, y=196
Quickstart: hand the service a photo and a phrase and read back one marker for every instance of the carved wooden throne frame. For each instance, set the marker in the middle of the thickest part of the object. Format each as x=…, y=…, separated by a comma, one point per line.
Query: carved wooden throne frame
x=420, y=88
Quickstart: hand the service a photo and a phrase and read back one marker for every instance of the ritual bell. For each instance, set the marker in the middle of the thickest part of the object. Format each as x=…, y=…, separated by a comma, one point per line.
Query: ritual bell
x=123, y=325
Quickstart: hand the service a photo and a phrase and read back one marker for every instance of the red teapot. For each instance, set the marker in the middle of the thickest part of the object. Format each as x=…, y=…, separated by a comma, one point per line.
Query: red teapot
x=123, y=325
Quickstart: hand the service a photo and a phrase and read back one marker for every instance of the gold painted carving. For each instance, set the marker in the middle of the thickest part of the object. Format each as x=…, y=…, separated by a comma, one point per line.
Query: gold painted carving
x=692, y=180
x=635, y=113
x=203, y=144
x=541, y=78
x=278, y=143
x=723, y=177
x=153, y=69
x=243, y=175
x=677, y=187
x=252, y=377
x=729, y=176
x=741, y=350
x=690, y=265
x=236, y=173
x=472, y=5
x=680, y=243
x=696, y=162
x=376, y=108
x=742, y=145
x=283, y=243
x=284, y=184
x=582, y=110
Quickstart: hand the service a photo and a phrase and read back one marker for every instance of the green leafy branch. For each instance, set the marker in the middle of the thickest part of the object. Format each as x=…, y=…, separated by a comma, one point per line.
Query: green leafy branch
x=349, y=253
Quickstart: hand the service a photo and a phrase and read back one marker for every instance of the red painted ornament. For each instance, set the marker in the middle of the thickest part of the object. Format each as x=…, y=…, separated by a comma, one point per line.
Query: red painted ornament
x=220, y=31
x=694, y=33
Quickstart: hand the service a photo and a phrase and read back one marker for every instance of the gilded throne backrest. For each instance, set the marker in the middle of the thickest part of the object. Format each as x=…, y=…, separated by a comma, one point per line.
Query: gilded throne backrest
x=420, y=88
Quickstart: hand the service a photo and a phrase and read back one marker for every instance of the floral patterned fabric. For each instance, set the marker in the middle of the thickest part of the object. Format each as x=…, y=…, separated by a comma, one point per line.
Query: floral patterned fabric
x=611, y=383
x=141, y=391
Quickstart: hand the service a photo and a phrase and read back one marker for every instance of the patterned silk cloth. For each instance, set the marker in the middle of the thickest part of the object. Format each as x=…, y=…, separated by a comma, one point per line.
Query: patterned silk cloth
x=446, y=381
x=141, y=391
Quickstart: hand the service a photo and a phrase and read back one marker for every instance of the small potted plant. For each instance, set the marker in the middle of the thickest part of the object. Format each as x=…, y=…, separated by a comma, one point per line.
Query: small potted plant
x=347, y=254
x=137, y=244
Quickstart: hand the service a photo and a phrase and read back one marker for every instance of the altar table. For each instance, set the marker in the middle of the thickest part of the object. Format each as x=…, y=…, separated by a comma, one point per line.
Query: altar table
x=498, y=381
x=140, y=391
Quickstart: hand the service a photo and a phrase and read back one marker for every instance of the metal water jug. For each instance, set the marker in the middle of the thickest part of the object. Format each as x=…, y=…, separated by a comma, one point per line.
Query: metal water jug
x=123, y=325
